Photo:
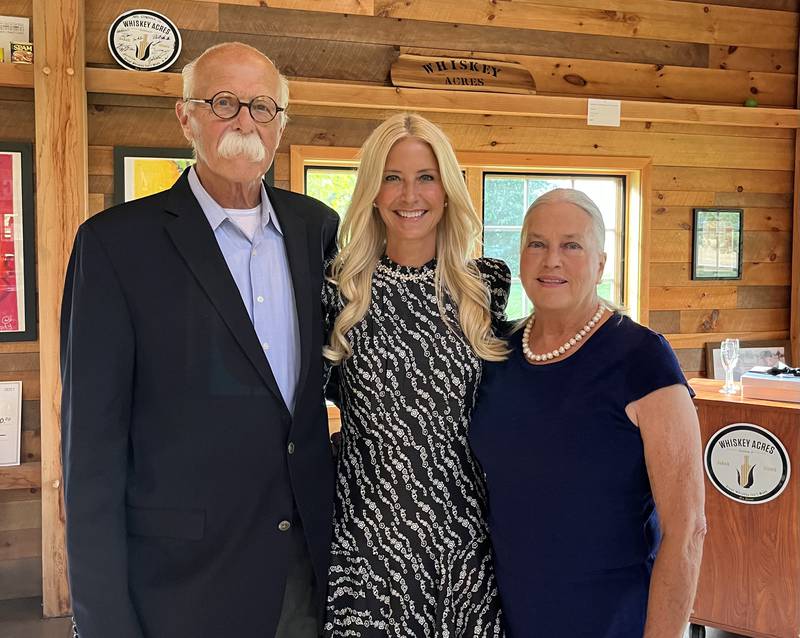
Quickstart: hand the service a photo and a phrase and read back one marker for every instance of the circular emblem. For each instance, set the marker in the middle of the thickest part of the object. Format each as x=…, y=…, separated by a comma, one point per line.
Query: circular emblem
x=144, y=40
x=747, y=463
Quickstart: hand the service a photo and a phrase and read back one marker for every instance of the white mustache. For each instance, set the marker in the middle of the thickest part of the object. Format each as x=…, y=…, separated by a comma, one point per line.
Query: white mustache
x=234, y=144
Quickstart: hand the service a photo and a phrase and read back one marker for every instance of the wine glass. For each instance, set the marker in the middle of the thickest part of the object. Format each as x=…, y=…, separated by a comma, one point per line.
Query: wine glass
x=730, y=357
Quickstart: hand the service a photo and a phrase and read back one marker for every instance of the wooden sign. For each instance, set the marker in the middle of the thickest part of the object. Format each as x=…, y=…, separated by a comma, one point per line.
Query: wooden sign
x=462, y=74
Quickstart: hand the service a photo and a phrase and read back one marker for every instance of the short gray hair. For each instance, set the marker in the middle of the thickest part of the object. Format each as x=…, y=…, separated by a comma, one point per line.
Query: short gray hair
x=587, y=205
x=283, y=84
x=577, y=198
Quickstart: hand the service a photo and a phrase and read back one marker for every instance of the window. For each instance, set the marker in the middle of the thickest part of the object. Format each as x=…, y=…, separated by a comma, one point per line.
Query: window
x=332, y=185
x=502, y=186
x=506, y=197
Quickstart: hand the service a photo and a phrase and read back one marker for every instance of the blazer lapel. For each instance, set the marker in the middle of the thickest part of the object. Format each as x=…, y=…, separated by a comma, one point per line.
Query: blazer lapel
x=195, y=241
x=296, y=242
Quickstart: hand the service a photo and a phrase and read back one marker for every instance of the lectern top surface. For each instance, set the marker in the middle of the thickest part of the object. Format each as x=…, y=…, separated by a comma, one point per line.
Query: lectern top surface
x=708, y=390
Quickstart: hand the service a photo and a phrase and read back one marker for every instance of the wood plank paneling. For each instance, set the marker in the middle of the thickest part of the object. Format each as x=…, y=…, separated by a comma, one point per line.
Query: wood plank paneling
x=658, y=19
x=700, y=339
x=25, y=514
x=751, y=59
x=22, y=476
x=295, y=57
x=17, y=123
x=185, y=14
x=777, y=5
x=31, y=448
x=765, y=200
x=764, y=297
x=754, y=274
x=765, y=246
x=354, y=28
x=670, y=246
x=665, y=321
x=570, y=76
x=691, y=358
x=715, y=179
x=20, y=543
x=725, y=320
x=366, y=7
x=674, y=297
x=21, y=578
x=683, y=198
x=16, y=8
x=121, y=126
x=675, y=245
x=682, y=218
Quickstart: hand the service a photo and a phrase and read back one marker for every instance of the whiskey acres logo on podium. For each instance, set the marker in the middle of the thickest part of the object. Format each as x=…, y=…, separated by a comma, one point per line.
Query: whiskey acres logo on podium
x=747, y=463
x=143, y=40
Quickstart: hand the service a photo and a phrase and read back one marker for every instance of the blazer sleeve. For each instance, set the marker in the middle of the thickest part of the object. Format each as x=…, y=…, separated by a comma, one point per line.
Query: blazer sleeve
x=97, y=364
x=329, y=229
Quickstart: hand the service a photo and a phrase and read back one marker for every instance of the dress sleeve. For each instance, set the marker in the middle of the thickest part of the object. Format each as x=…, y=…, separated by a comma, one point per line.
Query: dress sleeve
x=497, y=277
x=652, y=366
x=330, y=299
x=331, y=305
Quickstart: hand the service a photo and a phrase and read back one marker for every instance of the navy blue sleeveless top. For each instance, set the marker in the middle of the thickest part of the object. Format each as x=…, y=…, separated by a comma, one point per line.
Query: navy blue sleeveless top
x=571, y=514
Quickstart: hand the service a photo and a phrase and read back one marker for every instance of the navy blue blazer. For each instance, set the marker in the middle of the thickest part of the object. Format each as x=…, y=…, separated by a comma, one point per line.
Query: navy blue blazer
x=175, y=435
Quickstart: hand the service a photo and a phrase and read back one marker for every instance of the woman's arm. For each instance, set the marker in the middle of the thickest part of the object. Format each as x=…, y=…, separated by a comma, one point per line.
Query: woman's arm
x=668, y=423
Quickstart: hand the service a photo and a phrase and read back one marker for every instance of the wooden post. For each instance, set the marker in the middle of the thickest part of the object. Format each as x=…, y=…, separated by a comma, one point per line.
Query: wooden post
x=61, y=199
x=794, y=316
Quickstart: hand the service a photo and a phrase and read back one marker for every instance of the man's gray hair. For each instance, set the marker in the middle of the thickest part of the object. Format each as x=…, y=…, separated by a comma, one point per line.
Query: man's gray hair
x=283, y=84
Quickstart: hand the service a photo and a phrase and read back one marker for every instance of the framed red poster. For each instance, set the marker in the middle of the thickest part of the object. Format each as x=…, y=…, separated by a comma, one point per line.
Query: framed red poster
x=17, y=259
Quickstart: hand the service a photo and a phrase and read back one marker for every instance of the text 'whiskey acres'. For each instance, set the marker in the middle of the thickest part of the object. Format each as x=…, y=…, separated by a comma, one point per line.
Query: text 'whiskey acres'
x=462, y=74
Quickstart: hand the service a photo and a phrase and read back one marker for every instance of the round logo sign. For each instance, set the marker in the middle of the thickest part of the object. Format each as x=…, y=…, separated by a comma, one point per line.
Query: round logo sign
x=144, y=40
x=747, y=463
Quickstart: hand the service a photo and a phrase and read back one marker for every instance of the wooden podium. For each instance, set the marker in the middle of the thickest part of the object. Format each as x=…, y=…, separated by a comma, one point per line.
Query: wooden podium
x=750, y=574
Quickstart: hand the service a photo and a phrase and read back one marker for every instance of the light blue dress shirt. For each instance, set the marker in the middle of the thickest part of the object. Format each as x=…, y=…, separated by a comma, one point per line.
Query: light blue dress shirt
x=260, y=268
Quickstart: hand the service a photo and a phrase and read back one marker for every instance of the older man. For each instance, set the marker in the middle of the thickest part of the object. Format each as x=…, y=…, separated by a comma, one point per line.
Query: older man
x=198, y=472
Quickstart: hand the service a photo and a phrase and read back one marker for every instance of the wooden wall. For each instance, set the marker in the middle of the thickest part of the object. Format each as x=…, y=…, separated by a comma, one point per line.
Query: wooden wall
x=20, y=508
x=716, y=52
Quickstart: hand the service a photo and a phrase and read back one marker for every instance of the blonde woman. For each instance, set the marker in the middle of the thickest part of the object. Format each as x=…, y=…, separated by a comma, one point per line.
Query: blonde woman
x=411, y=317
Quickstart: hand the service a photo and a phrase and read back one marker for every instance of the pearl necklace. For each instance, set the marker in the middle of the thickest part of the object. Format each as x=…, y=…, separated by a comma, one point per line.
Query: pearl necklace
x=428, y=273
x=561, y=349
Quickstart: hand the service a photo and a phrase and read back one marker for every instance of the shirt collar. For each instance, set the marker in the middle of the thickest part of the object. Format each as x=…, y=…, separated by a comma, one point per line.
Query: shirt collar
x=215, y=214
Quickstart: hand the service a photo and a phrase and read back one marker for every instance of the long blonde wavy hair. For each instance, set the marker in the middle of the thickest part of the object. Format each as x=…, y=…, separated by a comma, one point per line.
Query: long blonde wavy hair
x=362, y=241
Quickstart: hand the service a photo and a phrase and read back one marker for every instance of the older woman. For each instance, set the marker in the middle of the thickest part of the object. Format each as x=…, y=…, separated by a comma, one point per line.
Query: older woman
x=411, y=319
x=584, y=433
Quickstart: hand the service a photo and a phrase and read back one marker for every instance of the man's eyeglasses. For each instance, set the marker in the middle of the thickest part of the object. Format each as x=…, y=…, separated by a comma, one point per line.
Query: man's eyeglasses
x=226, y=106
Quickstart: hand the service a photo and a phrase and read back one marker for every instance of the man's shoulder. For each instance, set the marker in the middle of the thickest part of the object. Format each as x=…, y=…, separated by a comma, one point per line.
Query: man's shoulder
x=135, y=213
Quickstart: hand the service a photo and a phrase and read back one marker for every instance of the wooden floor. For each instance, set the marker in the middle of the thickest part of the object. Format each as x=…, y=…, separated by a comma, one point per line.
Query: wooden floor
x=22, y=619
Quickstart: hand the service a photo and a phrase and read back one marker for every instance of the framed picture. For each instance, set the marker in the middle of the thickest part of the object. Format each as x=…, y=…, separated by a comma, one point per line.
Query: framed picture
x=751, y=353
x=717, y=243
x=139, y=172
x=17, y=257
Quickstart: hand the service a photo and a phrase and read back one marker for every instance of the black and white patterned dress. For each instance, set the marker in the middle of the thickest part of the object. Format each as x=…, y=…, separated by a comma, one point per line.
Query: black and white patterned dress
x=411, y=555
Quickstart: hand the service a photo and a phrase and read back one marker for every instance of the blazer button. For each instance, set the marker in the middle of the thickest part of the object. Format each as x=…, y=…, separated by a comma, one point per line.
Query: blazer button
x=284, y=526
x=290, y=447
